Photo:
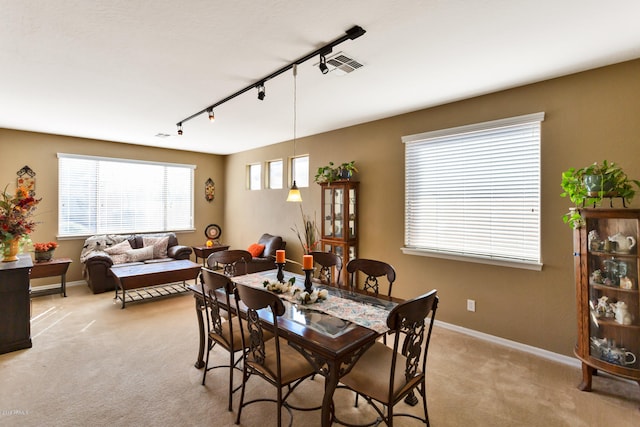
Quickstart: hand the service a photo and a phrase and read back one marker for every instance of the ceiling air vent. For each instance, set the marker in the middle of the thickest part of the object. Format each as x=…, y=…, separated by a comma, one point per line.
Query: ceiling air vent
x=341, y=63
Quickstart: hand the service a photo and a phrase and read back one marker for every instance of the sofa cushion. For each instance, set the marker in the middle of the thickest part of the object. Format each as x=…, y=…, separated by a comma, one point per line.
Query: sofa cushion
x=142, y=254
x=118, y=252
x=159, y=245
x=256, y=249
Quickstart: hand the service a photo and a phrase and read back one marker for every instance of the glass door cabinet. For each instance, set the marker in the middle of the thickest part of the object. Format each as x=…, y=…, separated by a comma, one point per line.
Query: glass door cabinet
x=608, y=299
x=340, y=221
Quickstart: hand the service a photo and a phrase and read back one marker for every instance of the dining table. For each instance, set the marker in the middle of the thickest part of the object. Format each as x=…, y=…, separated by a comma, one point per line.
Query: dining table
x=331, y=333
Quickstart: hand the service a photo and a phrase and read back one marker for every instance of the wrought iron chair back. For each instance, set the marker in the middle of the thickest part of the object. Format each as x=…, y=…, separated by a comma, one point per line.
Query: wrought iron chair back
x=233, y=261
x=373, y=270
x=328, y=261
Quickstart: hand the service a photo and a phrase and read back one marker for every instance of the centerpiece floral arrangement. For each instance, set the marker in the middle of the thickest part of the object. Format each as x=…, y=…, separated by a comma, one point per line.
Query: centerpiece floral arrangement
x=300, y=295
x=304, y=297
x=279, y=288
x=16, y=211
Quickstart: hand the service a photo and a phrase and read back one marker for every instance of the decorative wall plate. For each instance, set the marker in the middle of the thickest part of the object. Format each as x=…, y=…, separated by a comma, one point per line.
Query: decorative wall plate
x=213, y=231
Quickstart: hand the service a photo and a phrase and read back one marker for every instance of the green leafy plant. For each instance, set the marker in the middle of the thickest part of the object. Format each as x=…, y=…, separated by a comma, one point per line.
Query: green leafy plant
x=330, y=172
x=589, y=185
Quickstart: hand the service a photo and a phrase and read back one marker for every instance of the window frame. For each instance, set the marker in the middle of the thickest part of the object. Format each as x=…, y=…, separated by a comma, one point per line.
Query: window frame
x=250, y=166
x=102, y=193
x=424, y=241
x=269, y=183
x=292, y=171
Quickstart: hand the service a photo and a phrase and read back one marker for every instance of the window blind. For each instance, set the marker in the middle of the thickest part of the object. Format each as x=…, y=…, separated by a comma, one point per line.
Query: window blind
x=100, y=195
x=473, y=192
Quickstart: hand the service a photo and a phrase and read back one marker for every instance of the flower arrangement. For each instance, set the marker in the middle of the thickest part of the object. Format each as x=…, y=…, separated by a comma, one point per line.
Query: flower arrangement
x=44, y=247
x=277, y=287
x=15, y=214
x=304, y=297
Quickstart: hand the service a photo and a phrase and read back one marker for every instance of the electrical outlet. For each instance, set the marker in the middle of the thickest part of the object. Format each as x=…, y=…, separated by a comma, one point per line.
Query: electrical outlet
x=471, y=305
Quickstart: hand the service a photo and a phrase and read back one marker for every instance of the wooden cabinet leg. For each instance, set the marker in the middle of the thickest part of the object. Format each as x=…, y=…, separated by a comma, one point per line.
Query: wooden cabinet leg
x=587, y=373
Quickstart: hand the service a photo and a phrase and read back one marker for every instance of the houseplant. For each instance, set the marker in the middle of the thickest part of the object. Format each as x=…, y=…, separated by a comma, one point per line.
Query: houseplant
x=44, y=251
x=15, y=220
x=330, y=172
x=591, y=184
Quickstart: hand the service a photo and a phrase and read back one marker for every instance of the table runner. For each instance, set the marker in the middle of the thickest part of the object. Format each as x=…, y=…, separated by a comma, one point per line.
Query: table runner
x=362, y=310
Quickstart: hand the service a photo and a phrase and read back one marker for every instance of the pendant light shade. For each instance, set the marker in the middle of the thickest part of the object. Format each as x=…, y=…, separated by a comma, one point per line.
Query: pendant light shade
x=294, y=194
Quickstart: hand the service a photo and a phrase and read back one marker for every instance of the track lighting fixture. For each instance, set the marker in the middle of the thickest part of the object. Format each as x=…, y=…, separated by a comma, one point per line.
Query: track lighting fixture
x=351, y=34
x=261, y=91
x=212, y=116
x=323, y=64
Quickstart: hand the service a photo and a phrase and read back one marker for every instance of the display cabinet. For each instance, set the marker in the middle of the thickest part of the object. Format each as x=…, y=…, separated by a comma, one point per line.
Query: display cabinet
x=608, y=299
x=340, y=221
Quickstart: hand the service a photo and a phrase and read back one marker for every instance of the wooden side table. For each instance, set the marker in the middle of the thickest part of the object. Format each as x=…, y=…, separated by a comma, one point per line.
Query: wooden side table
x=204, y=251
x=54, y=267
x=15, y=307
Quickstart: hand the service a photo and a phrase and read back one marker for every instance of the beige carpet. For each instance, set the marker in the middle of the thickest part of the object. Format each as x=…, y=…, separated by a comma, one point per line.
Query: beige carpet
x=93, y=364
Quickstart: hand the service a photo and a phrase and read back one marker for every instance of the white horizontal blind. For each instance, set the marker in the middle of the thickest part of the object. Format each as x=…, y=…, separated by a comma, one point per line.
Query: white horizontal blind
x=474, y=191
x=102, y=195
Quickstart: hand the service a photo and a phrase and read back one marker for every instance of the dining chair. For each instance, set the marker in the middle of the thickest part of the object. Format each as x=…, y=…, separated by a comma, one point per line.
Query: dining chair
x=328, y=261
x=274, y=360
x=222, y=329
x=229, y=261
x=387, y=375
x=373, y=270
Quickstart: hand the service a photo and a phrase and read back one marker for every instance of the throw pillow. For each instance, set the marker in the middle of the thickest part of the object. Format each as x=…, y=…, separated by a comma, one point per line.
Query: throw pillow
x=142, y=254
x=118, y=252
x=159, y=245
x=255, y=249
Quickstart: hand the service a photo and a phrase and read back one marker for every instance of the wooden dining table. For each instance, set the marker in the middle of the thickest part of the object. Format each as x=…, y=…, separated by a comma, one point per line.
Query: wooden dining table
x=330, y=343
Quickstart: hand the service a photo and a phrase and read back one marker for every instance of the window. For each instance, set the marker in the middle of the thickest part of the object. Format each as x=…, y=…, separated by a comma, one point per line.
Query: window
x=275, y=174
x=98, y=195
x=300, y=170
x=473, y=192
x=254, y=178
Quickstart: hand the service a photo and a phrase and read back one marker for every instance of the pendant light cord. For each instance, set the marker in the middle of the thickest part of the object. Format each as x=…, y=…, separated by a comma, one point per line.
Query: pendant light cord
x=295, y=107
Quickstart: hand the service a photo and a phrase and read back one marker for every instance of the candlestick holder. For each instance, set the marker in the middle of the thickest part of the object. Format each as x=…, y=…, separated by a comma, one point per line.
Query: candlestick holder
x=307, y=280
x=280, y=275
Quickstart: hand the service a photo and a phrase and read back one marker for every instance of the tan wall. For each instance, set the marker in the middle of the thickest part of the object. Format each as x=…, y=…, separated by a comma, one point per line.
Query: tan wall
x=38, y=151
x=590, y=116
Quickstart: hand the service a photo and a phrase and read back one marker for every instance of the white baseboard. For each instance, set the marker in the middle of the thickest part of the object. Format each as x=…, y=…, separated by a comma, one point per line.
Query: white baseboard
x=556, y=357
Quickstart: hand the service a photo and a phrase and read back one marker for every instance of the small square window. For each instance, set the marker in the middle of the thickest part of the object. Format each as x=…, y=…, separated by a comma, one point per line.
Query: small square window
x=300, y=170
x=275, y=174
x=254, y=176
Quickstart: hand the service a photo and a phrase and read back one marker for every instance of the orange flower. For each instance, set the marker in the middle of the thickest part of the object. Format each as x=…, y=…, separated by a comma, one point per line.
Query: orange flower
x=44, y=247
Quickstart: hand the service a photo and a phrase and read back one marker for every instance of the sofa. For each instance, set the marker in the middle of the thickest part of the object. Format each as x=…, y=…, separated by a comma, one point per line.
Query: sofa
x=101, y=252
x=264, y=258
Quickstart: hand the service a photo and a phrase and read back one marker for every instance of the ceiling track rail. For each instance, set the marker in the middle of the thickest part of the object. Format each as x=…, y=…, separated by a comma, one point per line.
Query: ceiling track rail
x=351, y=34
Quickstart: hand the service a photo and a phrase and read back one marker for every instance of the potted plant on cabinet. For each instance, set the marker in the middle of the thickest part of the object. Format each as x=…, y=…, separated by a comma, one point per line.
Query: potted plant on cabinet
x=591, y=184
x=330, y=173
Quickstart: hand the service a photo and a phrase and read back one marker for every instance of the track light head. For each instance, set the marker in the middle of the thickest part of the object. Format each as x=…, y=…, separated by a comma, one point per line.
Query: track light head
x=261, y=91
x=180, y=128
x=323, y=64
x=212, y=116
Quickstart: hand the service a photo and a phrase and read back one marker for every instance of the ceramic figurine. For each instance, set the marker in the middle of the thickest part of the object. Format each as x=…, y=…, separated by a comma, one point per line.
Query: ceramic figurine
x=622, y=313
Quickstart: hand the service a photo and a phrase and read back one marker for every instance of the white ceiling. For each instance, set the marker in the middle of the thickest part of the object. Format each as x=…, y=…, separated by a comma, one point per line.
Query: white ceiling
x=126, y=70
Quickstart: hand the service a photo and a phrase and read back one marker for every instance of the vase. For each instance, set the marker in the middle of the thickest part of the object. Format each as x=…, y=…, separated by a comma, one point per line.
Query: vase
x=42, y=256
x=11, y=248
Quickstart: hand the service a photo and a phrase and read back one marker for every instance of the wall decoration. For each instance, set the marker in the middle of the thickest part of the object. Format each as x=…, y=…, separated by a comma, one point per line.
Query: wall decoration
x=213, y=232
x=27, y=179
x=209, y=190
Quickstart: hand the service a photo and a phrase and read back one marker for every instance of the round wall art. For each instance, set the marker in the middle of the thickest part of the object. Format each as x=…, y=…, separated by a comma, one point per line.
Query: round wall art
x=213, y=231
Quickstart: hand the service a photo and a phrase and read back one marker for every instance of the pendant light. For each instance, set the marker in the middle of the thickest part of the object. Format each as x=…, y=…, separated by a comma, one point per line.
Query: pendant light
x=294, y=193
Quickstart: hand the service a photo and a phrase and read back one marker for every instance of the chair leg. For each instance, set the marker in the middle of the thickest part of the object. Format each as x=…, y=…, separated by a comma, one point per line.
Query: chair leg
x=206, y=361
x=231, y=368
x=244, y=382
x=279, y=406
